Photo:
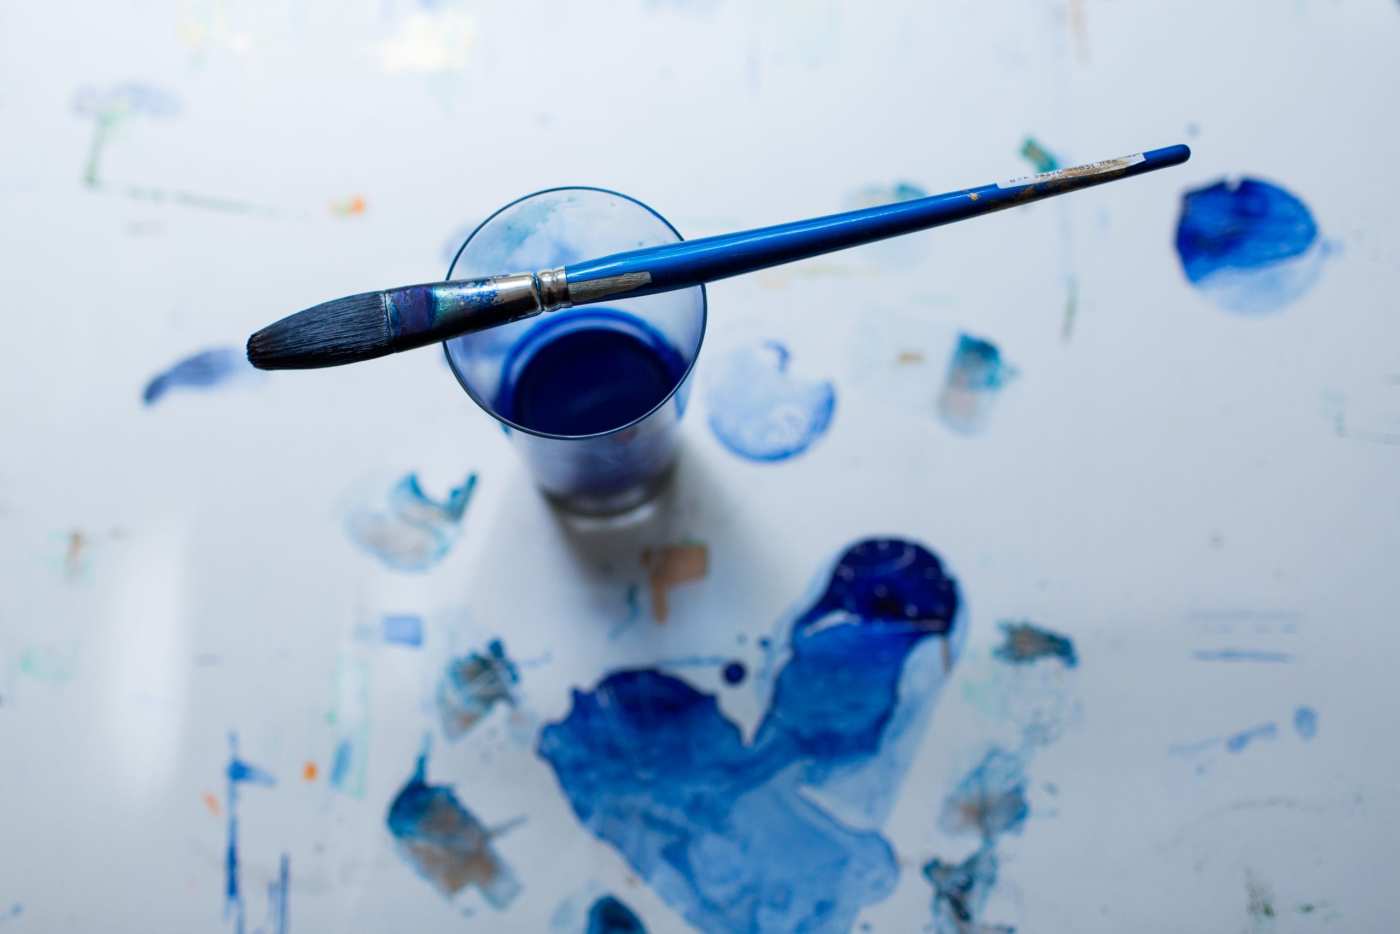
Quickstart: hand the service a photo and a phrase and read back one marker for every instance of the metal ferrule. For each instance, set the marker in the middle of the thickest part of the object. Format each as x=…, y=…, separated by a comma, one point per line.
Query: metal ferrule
x=553, y=288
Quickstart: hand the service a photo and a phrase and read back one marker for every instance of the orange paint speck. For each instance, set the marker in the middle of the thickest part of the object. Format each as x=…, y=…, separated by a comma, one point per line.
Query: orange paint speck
x=308, y=772
x=350, y=207
x=212, y=803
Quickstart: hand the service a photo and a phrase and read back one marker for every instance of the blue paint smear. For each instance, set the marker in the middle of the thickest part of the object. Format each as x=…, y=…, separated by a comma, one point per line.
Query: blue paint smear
x=1242, y=739
x=445, y=843
x=724, y=831
x=1240, y=655
x=473, y=685
x=340, y=762
x=403, y=629
x=990, y=800
x=960, y=890
x=238, y=773
x=610, y=916
x=976, y=375
x=412, y=532
x=205, y=370
x=761, y=411
x=1305, y=722
x=1249, y=245
x=1026, y=643
x=15, y=911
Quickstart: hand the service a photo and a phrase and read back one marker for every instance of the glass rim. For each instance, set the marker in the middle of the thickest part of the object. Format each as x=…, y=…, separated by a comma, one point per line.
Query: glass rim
x=690, y=365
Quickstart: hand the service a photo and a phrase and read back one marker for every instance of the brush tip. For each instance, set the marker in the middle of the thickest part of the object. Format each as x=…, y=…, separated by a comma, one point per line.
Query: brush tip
x=345, y=330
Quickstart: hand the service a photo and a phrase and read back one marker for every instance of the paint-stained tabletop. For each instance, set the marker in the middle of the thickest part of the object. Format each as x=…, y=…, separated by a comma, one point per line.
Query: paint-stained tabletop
x=1031, y=573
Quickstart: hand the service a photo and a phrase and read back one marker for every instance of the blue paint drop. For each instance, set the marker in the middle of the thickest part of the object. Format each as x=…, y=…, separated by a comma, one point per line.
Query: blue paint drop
x=238, y=773
x=1249, y=245
x=990, y=800
x=1240, y=740
x=445, y=843
x=610, y=916
x=722, y=830
x=960, y=890
x=1305, y=722
x=411, y=531
x=205, y=370
x=976, y=375
x=588, y=372
x=1026, y=643
x=473, y=685
x=734, y=673
x=402, y=629
x=761, y=411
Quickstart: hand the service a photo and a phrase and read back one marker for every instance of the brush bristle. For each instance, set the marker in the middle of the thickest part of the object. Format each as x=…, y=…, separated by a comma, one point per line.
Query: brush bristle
x=346, y=330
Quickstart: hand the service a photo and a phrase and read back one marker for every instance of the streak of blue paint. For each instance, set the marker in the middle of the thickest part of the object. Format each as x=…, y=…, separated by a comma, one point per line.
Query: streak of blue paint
x=412, y=532
x=1026, y=643
x=1238, y=741
x=403, y=629
x=1250, y=245
x=761, y=411
x=1305, y=722
x=610, y=916
x=445, y=843
x=723, y=830
x=340, y=762
x=976, y=376
x=204, y=370
x=990, y=800
x=238, y=773
x=473, y=685
x=1240, y=655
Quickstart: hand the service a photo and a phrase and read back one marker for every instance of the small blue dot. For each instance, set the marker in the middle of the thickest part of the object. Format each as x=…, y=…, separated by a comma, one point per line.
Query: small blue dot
x=734, y=672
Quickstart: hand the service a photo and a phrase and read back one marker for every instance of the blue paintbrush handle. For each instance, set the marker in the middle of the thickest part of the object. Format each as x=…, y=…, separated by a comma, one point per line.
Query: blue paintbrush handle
x=692, y=262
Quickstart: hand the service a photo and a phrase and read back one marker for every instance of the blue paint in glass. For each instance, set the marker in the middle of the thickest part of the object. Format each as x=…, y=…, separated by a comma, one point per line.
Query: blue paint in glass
x=587, y=373
x=402, y=629
x=204, y=370
x=237, y=772
x=990, y=800
x=734, y=673
x=976, y=375
x=1240, y=740
x=1305, y=722
x=1250, y=245
x=1025, y=643
x=761, y=410
x=411, y=531
x=445, y=843
x=724, y=830
x=610, y=916
x=472, y=686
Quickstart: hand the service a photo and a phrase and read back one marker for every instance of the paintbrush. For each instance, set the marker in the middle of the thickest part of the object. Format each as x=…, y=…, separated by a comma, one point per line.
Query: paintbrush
x=373, y=324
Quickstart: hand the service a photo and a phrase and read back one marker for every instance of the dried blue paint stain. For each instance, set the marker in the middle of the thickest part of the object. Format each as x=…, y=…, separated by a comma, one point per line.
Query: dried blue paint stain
x=610, y=916
x=1305, y=722
x=1249, y=245
x=340, y=763
x=15, y=911
x=412, y=532
x=473, y=685
x=403, y=629
x=976, y=375
x=445, y=843
x=722, y=830
x=1240, y=655
x=734, y=673
x=204, y=370
x=990, y=800
x=238, y=773
x=1240, y=740
x=1026, y=643
x=277, y=898
x=960, y=890
x=761, y=411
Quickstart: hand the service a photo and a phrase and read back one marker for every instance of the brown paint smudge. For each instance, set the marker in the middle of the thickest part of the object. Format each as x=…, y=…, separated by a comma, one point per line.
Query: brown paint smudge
x=670, y=566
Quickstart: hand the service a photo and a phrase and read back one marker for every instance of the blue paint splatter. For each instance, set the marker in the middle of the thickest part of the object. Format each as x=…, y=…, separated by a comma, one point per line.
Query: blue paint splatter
x=340, y=763
x=760, y=411
x=472, y=686
x=723, y=830
x=205, y=370
x=403, y=629
x=1251, y=246
x=412, y=532
x=15, y=911
x=238, y=773
x=350, y=755
x=960, y=890
x=1305, y=722
x=1026, y=643
x=445, y=843
x=1240, y=740
x=734, y=673
x=1239, y=655
x=610, y=916
x=976, y=375
x=990, y=800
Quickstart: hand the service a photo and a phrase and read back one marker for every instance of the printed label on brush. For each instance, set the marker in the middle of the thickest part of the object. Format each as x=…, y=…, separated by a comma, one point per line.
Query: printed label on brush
x=1105, y=167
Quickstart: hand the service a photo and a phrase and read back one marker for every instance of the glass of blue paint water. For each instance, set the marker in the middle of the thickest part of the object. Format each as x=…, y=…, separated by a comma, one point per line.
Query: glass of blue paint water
x=592, y=396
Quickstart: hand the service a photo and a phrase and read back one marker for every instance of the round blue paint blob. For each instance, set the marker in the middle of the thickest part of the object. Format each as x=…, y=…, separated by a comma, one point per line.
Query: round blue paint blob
x=734, y=672
x=1250, y=245
x=761, y=411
